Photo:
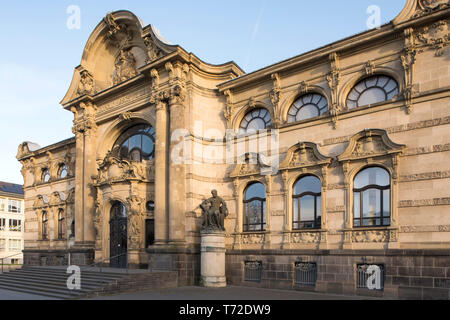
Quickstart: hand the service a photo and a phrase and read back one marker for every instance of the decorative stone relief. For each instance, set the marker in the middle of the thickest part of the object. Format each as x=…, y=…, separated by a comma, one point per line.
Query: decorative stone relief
x=229, y=108
x=86, y=85
x=253, y=238
x=125, y=67
x=253, y=164
x=152, y=49
x=370, y=236
x=369, y=68
x=408, y=59
x=436, y=36
x=333, y=79
x=119, y=34
x=135, y=221
x=305, y=237
x=429, y=6
x=275, y=98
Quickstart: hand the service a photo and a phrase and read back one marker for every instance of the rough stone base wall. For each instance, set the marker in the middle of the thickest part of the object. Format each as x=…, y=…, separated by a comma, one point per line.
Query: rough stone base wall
x=185, y=261
x=58, y=257
x=409, y=274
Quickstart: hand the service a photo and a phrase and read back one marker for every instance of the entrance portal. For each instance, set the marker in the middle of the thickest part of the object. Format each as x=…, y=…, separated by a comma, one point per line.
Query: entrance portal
x=118, y=235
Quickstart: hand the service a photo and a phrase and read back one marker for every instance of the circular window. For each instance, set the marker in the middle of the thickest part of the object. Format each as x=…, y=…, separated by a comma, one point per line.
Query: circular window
x=372, y=90
x=307, y=107
x=258, y=119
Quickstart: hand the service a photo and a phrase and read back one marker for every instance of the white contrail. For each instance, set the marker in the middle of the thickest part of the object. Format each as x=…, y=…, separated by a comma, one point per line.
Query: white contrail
x=255, y=31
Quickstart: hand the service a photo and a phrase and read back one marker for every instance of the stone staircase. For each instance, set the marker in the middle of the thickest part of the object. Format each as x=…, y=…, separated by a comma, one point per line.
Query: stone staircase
x=52, y=281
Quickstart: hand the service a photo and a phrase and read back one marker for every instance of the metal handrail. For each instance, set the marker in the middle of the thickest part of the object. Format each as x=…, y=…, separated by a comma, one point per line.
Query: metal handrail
x=108, y=259
x=17, y=254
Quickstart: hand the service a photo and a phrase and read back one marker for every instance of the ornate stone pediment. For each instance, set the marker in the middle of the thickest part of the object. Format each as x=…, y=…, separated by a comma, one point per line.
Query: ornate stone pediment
x=370, y=143
x=254, y=238
x=253, y=164
x=304, y=154
x=436, y=36
x=56, y=199
x=26, y=148
x=40, y=202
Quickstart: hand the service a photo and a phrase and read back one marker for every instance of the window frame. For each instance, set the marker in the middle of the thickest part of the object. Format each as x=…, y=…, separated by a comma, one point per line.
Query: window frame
x=44, y=226
x=63, y=167
x=268, y=123
x=61, y=221
x=45, y=173
x=321, y=111
x=246, y=225
x=361, y=191
x=349, y=101
x=298, y=197
x=134, y=131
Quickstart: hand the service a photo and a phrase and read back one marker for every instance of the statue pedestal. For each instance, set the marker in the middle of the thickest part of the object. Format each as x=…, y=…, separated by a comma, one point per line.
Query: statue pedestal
x=213, y=259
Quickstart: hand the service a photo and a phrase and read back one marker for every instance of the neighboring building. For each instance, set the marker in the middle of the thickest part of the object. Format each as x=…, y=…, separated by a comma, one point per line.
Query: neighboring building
x=12, y=222
x=361, y=129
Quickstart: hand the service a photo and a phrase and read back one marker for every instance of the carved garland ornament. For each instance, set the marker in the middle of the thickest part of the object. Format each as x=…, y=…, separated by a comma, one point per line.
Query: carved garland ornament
x=436, y=36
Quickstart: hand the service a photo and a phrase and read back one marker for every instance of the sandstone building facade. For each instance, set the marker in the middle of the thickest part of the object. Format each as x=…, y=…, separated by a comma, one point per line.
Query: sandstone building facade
x=329, y=162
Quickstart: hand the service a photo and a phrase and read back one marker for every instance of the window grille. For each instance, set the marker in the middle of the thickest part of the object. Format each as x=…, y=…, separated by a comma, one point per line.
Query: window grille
x=305, y=273
x=253, y=271
x=363, y=276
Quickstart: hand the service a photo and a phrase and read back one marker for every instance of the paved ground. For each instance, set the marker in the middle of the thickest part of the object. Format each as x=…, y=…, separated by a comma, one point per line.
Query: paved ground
x=229, y=293
x=198, y=293
x=12, y=295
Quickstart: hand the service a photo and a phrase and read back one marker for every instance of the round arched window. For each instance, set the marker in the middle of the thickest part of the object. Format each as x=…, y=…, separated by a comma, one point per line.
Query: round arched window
x=258, y=119
x=308, y=106
x=46, y=175
x=63, y=171
x=137, y=143
x=372, y=90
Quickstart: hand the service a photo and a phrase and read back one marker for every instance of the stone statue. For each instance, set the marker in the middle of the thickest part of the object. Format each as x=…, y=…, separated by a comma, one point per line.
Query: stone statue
x=214, y=212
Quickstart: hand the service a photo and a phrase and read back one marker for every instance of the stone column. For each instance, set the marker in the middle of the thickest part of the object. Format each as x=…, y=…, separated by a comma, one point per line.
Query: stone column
x=85, y=130
x=213, y=259
x=177, y=171
x=161, y=176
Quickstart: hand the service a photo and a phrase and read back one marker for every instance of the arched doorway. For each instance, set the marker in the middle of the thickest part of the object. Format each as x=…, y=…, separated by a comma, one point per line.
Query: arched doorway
x=118, y=235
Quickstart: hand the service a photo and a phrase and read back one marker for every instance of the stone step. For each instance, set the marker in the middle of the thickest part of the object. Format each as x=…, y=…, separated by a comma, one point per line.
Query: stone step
x=52, y=282
x=96, y=276
x=40, y=290
x=58, y=282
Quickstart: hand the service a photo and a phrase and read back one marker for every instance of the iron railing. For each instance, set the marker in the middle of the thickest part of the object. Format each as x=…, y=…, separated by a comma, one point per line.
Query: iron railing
x=253, y=271
x=306, y=273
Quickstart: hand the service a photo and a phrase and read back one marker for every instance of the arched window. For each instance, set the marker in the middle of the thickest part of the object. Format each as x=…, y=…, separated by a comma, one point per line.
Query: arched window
x=62, y=171
x=46, y=175
x=137, y=143
x=258, y=119
x=44, y=225
x=372, y=90
x=372, y=198
x=307, y=201
x=61, y=225
x=308, y=106
x=255, y=208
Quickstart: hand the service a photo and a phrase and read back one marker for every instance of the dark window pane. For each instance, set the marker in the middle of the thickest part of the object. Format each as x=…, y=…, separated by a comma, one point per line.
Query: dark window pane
x=372, y=176
x=386, y=203
x=357, y=205
x=307, y=208
x=371, y=203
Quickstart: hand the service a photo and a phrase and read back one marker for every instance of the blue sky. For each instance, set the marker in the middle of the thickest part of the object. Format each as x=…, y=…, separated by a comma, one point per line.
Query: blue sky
x=39, y=52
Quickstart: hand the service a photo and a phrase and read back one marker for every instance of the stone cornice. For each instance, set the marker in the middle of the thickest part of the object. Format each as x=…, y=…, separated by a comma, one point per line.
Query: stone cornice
x=52, y=148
